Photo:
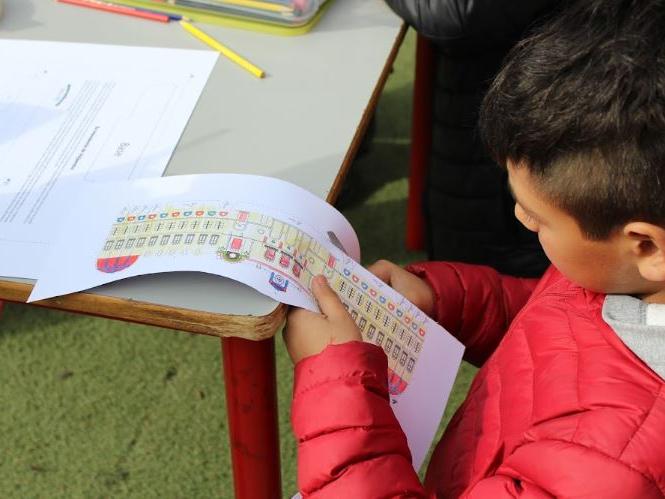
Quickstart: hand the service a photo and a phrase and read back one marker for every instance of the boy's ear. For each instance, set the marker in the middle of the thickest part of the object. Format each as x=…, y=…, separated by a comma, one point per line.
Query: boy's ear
x=647, y=243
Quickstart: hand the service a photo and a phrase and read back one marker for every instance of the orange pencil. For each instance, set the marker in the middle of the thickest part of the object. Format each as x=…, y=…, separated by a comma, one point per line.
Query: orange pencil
x=118, y=9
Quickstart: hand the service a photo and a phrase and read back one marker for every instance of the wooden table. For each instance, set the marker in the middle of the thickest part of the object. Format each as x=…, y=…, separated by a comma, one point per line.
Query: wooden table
x=303, y=123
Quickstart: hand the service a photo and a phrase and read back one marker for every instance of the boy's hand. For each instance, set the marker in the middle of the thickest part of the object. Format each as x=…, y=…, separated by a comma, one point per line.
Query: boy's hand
x=412, y=287
x=308, y=333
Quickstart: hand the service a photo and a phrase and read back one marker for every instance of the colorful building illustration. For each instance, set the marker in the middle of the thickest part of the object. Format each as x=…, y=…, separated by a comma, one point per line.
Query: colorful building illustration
x=115, y=264
x=289, y=257
x=234, y=248
x=385, y=324
x=278, y=281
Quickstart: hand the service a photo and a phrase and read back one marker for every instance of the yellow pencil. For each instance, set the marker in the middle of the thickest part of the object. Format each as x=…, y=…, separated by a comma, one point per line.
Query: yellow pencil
x=210, y=41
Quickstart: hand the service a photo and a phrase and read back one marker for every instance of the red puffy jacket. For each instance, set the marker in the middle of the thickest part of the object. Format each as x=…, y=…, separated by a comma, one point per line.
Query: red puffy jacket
x=561, y=408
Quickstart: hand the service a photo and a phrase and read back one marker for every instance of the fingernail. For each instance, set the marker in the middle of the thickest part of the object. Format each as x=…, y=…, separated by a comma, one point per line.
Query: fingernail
x=319, y=280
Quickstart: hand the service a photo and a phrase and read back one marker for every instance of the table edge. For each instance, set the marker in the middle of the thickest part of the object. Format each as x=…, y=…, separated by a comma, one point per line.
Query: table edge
x=367, y=116
x=250, y=327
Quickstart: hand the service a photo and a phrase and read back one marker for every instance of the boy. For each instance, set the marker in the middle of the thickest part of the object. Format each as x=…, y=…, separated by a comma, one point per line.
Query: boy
x=570, y=400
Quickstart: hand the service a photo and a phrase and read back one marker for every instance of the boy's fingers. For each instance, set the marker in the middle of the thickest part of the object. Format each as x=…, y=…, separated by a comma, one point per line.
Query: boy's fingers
x=296, y=312
x=382, y=269
x=299, y=321
x=296, y=315
x=328, y=301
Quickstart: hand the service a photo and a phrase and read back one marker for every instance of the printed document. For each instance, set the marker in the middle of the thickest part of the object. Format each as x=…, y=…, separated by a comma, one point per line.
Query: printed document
x=268, y=234
x=74, y=114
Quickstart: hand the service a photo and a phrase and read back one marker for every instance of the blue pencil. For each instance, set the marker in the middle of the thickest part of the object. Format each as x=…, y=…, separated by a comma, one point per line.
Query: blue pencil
x=172, y=17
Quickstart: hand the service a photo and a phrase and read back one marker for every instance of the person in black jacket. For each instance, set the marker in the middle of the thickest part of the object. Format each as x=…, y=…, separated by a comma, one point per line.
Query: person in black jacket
x=468, y=208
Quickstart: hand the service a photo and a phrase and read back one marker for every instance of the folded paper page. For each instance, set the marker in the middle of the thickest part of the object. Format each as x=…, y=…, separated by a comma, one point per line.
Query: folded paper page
x=268, y=234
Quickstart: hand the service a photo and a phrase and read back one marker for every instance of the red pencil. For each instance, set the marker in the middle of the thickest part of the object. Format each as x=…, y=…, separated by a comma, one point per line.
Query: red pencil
x=118, y=9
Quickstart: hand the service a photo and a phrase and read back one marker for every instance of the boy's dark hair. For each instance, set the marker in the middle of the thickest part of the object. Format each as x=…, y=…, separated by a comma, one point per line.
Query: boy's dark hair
x=581, y=105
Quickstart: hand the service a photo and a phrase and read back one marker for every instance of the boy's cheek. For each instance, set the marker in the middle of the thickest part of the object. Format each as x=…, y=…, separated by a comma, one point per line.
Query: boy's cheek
x=551, y=247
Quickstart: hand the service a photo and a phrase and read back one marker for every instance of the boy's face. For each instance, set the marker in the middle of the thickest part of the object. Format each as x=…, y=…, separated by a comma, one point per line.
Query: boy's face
x=604, y=266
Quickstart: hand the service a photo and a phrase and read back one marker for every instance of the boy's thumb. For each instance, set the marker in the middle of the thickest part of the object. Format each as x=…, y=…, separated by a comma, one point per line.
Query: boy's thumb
x=328, y=301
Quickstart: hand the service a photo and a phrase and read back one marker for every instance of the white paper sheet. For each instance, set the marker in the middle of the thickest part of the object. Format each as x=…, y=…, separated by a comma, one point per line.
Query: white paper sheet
x=270, y=235
x=71, y=114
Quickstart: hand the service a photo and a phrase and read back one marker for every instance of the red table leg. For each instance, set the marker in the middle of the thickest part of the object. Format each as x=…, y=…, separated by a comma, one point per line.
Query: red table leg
x=421, y=142
x=251, y=400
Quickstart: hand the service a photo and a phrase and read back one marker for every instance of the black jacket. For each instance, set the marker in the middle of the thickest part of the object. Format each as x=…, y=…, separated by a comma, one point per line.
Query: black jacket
x=467, y=206
x=472, y=24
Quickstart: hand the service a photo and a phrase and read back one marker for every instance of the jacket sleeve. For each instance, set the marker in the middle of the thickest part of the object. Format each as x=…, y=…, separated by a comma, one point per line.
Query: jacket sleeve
x=349, y=441
x=470, y=23
x=474, y=302
x=556, y=468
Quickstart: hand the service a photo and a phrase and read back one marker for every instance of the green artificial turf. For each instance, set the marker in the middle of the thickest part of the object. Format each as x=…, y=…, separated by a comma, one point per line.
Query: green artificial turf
x=94, y=408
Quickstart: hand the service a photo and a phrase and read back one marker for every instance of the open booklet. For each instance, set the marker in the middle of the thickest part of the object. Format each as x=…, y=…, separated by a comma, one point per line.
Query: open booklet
x=270, y=235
